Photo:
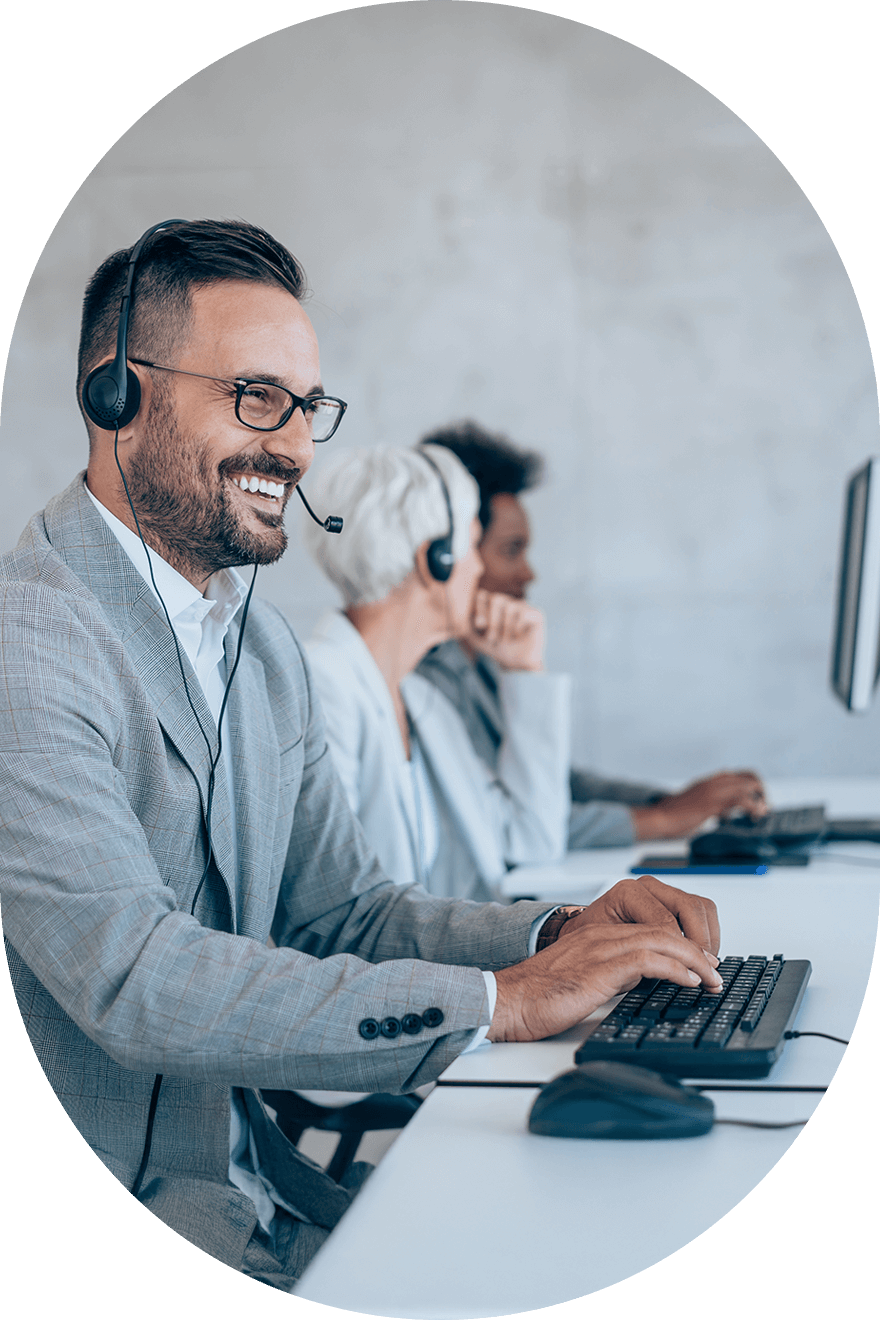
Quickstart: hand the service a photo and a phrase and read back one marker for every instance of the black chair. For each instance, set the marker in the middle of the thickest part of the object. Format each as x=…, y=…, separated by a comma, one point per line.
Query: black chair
x=376, y=1113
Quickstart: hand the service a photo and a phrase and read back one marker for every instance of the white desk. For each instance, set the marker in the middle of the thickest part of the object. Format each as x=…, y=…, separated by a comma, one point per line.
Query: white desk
x=469, y=1214
x=581, y=876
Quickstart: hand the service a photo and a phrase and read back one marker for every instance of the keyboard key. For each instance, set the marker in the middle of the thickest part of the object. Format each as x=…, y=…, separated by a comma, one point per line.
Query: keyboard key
x=688, y=1032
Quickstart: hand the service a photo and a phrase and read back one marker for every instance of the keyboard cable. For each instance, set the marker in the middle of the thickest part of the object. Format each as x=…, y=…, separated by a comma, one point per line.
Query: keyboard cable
x=731, y=1122
x=794, y=1035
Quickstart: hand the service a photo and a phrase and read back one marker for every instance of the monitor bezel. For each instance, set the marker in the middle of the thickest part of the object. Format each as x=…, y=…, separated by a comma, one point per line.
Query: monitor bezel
x=856, y=647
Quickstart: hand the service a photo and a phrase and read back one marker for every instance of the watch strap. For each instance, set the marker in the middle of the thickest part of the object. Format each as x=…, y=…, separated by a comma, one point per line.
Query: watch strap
x=549, y=932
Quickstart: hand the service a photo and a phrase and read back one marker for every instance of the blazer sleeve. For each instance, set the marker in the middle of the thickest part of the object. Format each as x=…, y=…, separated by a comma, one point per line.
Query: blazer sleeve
x=600, y=809
x=88, y=911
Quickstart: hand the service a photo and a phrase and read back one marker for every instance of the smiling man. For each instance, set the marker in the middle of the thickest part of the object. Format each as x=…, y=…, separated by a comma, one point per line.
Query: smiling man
x=193, y=917
x=206, y=496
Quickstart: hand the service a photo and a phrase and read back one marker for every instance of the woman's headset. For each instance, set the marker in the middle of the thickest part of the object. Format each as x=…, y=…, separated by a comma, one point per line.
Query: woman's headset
x=441, y=560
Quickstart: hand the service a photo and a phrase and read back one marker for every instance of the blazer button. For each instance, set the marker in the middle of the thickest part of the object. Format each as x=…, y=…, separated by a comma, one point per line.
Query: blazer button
x=432, y=1017
x=369, y=1028
x=391, y=1027
x=412, y=1024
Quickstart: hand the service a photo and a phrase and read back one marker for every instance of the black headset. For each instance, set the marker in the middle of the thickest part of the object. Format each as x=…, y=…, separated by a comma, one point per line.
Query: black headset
x=111, y=394
x=441, y=560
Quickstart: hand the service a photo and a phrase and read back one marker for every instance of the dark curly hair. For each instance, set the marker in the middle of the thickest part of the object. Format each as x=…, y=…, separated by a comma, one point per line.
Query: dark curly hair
x=497, y=466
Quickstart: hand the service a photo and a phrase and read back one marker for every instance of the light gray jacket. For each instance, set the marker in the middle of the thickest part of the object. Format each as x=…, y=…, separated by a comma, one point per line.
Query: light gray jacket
x=600, y=815
x=103, y=778
x=490, y=819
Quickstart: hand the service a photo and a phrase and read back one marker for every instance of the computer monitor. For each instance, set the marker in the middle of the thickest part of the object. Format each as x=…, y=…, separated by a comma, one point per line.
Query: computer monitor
x=856, y=653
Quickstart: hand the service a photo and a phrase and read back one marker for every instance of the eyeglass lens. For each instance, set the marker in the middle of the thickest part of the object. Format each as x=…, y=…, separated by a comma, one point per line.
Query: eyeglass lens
x=266, y=406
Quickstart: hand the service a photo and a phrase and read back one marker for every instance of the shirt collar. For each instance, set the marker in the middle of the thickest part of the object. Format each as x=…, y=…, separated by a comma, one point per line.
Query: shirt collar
x=224, y=592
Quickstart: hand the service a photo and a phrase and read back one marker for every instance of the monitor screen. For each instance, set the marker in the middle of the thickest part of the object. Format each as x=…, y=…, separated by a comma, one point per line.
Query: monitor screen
x=856, y=647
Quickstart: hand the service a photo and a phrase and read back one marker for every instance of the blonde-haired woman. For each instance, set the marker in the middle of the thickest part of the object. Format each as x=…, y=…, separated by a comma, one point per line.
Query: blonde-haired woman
x=407, y=567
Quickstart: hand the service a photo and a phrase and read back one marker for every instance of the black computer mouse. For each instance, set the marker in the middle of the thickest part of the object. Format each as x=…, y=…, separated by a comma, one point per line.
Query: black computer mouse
x=618, y=1100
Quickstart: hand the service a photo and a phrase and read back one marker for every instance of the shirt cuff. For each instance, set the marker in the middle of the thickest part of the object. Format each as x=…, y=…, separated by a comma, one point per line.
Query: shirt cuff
x=537, y=924
x=491, y=987
x=482, y=1032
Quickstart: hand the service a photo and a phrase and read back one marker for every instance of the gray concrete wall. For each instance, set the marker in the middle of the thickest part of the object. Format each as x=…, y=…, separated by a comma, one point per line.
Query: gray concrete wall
x=511, y=217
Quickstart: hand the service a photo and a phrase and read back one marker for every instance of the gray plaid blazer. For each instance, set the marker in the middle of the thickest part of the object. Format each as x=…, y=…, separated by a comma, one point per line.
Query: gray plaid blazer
x=103, y=780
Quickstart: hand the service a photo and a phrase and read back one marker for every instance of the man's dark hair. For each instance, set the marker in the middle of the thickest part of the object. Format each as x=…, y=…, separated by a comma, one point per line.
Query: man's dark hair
x=176, y=260
x=497, y=466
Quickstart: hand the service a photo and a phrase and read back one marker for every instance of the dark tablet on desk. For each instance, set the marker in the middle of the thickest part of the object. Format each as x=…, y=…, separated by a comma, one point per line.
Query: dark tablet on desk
x=683, y=866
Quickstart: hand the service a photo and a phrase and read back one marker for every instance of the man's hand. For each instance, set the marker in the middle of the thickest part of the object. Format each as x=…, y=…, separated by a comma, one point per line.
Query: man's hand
x=683, y=813
x=507, y=630
x=647, y=901
x=639, y=928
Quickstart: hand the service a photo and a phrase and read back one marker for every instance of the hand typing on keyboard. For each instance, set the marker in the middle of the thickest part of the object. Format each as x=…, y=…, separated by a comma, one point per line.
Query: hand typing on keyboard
x=650, y=902
x=640, y=928
x=682, y=813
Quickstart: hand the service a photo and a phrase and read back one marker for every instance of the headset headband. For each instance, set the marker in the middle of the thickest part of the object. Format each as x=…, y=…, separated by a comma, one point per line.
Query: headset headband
x=441, y=560
x=111, y=393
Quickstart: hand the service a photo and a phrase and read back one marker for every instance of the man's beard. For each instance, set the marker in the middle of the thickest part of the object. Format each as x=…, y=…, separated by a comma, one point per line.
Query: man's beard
x=184, y=504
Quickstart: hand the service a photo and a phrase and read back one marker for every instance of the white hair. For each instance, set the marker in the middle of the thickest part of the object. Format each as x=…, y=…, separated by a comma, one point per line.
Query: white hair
x=391, y=501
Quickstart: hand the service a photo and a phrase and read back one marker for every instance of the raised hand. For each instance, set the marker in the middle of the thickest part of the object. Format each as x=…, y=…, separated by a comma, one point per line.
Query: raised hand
x=509, y=631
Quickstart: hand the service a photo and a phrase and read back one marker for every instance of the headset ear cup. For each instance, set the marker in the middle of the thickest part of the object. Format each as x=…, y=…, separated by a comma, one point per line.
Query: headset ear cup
x=101, y=397
x=440, y=559
x=132, y=398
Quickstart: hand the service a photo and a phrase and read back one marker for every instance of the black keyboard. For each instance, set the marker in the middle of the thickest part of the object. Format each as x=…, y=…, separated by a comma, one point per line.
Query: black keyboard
x=739, y=1032
x=762, y=839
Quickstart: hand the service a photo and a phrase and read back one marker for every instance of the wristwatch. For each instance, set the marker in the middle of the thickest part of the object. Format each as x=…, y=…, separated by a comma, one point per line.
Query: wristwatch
x=549, y=932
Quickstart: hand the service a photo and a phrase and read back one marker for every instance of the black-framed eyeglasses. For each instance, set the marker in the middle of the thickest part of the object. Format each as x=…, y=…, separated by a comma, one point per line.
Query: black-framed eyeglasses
x=265, y=407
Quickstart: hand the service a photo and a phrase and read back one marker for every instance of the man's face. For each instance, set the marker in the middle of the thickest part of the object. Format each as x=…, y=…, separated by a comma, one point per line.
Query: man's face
x=503, y=549
x=192, y=453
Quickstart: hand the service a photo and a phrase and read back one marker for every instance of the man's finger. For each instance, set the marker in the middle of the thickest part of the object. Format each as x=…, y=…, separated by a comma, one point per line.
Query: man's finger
x=651, y=902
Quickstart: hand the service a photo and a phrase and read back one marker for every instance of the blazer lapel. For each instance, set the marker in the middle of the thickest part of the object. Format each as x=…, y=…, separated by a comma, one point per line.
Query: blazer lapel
x=257, y=761
x=78, y=533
